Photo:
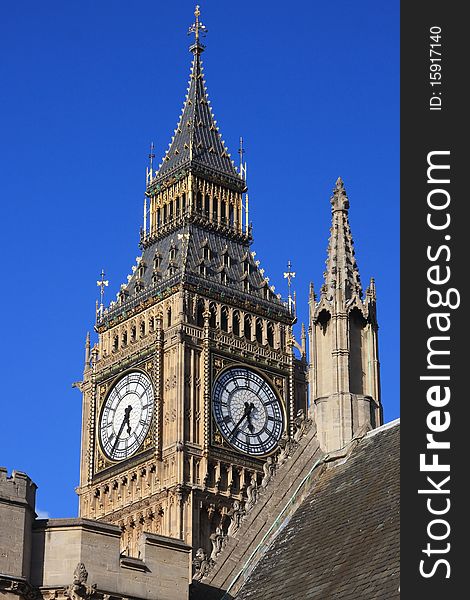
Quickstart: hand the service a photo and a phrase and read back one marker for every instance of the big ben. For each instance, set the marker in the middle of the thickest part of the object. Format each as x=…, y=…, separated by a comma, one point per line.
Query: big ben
x=193, y=385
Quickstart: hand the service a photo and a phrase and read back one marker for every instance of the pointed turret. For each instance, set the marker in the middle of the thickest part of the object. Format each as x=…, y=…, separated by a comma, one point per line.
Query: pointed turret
x=341, y=268
x=344, y=366
x=197, y=144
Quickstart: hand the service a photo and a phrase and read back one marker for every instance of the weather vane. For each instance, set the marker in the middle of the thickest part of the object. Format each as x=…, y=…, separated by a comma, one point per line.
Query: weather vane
x=289, y=275
x=102, y=283
x=198, y=28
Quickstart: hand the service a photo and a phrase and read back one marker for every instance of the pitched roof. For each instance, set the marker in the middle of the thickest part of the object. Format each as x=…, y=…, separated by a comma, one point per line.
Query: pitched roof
x=196, y=142
x=343, y=541
x=180, y=256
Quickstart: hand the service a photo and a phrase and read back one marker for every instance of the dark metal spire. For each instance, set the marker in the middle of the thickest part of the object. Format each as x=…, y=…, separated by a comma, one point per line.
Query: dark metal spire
x=197, y=143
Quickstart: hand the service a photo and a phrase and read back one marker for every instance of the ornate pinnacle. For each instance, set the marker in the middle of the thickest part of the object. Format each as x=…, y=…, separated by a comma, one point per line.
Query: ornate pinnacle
x=199, y=29
x=341, y=268
x=339, y=199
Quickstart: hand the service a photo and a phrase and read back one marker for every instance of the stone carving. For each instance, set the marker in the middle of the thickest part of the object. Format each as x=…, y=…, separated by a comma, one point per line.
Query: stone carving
x=202, y=564
x=18, y=587
x=252, y=493
x=301, y=424
x=287, y=446
x=236, y=513
x=218, y=539
x=78, y=589
x=269, y=469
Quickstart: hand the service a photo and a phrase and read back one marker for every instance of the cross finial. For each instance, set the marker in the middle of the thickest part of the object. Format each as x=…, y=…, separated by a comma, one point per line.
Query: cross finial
x=102, y=283
x=289, y=275
x=199, y=29
x=151, y=155
x=241, y=152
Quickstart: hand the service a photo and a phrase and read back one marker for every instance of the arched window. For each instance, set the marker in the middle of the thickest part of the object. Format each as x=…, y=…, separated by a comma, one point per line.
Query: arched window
x=223, y=211
x=133, y=333
x=199, y=313
x=259, y=331
x=270, y=335
x=164, y=213
x=212, y=319
x=142, y=329
x=231, y=213
x=236, y=323
x=168, y=317
x=170, y=211
x=199, y=203
x=177, y=206
x=183, y=203
x=224, y=319
x=207, y=206
x=124, y=338
x=115, y=343
x=215, y=207
x=247, y=327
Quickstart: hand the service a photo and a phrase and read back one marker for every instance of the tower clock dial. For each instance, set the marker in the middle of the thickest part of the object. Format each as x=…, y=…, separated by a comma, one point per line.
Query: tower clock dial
x=126, y=416
x=247, y=411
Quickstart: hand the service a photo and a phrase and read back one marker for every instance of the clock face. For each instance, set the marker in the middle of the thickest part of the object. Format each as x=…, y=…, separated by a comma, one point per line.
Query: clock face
x=247, y=411
x=126, y=416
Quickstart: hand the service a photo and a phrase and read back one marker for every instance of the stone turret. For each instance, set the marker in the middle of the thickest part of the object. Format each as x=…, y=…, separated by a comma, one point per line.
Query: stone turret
x=17, y=503
x=344, y=365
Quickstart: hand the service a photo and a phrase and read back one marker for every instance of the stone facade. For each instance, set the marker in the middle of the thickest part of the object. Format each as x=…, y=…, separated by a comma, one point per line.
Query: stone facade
x=80, y=559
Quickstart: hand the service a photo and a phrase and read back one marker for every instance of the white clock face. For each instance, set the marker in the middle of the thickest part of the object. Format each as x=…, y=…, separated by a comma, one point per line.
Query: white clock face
x=247, y=411
x=126, y=416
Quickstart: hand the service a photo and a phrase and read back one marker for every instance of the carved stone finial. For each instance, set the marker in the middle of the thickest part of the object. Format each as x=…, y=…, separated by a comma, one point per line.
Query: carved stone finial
x=269, y=469
x=252, y=493
x=202, y=564
x=218, y=539
x=78, y=590
x=339, y=199
x=236, y=513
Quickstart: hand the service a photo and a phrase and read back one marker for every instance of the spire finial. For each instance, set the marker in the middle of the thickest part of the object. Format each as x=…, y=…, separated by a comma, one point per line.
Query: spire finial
x=339, y=199
x=199, y=29
x=241, y=152
x=151, y=155
x=102, y=283
x=289, y=275
x=149, y=174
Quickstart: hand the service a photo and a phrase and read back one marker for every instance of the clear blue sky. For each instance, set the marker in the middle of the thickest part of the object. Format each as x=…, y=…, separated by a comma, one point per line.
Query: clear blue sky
x=312, y=87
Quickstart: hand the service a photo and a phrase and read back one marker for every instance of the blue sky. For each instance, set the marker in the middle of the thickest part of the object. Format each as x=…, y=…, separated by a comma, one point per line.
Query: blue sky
x=312, y=87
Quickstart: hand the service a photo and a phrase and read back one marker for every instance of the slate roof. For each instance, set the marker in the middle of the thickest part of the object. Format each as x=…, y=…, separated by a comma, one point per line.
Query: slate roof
x=343, y=542
x=180, y=257
x=196, y=142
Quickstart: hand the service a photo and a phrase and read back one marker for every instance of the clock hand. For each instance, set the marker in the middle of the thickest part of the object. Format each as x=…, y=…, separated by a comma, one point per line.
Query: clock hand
x=248, y=408
x=125, y=421
x=248, y=417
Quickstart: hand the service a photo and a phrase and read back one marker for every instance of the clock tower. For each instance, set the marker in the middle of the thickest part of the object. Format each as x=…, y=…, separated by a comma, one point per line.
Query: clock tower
x=193, y=385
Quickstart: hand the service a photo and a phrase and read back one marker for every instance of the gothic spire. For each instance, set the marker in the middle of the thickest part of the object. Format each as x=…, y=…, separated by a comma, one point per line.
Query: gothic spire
x=342, y=272
x=197, y=144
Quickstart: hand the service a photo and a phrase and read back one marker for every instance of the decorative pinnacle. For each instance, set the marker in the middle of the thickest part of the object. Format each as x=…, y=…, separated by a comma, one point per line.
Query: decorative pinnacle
x=151, y=155
x=289, y=275
x=199, y=29
x=102, y=284
x=339, y=199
